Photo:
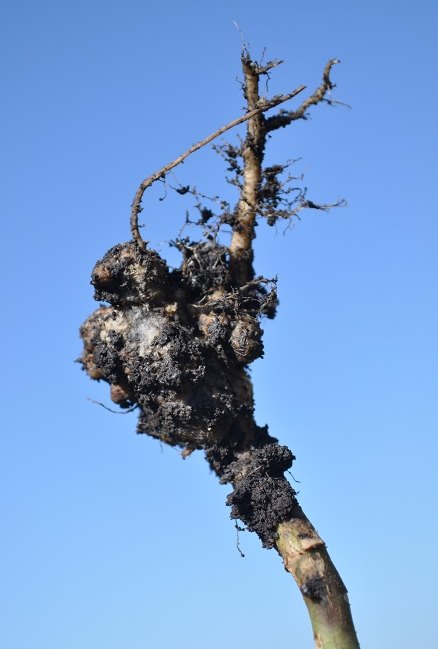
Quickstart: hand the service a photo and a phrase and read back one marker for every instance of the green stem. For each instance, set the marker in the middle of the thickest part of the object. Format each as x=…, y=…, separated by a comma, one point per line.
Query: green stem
x=306, y=558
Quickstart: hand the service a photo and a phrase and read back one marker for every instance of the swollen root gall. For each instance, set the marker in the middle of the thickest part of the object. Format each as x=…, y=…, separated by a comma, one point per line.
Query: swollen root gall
x=177, y=345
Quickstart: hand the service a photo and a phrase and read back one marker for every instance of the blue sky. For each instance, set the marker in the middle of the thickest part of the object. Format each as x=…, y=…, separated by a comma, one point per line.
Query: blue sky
x=110, y=540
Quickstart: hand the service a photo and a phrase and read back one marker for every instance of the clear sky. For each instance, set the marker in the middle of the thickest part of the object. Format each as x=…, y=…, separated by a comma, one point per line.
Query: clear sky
x=108, y=540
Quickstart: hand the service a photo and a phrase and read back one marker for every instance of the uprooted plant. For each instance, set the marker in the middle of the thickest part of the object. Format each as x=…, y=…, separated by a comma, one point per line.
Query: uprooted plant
x=177, y=343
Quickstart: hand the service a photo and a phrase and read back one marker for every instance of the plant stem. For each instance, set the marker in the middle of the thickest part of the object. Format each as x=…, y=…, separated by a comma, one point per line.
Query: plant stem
x=306, y=558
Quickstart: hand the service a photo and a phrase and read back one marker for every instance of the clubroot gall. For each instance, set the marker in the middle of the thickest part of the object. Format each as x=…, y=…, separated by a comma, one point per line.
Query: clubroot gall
x=177, y=343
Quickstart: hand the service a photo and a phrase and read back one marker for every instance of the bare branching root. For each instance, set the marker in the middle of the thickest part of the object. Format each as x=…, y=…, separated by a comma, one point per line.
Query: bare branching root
x=178, y=343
